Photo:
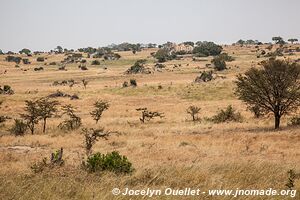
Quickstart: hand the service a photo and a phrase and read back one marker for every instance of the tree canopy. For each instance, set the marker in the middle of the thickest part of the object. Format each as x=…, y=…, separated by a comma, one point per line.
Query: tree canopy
x=273, y=89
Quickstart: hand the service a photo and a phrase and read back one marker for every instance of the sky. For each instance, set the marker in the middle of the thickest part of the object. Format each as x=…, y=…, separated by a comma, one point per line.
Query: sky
x=45, y=24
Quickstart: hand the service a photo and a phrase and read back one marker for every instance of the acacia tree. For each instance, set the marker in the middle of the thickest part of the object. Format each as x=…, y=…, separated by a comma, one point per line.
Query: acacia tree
x=91, y=136
x=32, y=114
x=47, y=108
x=273, y=89
x=278, y=40
x=292, y=40
x=100, y=107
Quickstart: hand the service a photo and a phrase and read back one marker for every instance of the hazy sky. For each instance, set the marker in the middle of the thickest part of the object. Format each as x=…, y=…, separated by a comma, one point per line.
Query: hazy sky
x=44, y=24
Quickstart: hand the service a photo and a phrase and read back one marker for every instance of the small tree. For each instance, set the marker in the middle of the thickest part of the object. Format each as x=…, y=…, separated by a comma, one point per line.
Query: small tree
x=278, y=40
x=59, y=49
x=148, y=115
x=47, y=108
x=292, y=40
x=31, y=116
x=73, y=122
x=219, y=63
x=133, y=82
x=99, y=108
x=193, y=111
x=84, y=83
x=91, y=136
x=275, y=88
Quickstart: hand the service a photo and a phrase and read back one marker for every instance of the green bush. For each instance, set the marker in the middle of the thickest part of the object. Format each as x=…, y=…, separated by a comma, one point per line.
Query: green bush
x=19, y=128
x=227, y=115
x=226, y=57
x=207, y=49
x=40, y=59
x=138, y=67
x=113, y=162
x=219, y=63
x=95, y=62
x=204, y=77
x=163, y=55
x=13, y=59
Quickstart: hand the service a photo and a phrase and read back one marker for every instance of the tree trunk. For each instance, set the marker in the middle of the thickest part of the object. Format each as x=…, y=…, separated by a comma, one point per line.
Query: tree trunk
x=277, y=120
x=44, y=127
x=32, y=128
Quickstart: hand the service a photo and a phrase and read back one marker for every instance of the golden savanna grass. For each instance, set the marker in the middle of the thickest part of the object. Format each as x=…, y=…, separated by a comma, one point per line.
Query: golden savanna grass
x=170, y=152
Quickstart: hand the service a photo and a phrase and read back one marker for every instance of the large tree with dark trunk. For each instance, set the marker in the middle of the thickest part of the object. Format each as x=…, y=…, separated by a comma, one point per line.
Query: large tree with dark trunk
x=274, y=88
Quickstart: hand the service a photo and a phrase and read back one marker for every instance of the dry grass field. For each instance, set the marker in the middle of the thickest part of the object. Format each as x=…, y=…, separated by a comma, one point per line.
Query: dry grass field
x=169, y=152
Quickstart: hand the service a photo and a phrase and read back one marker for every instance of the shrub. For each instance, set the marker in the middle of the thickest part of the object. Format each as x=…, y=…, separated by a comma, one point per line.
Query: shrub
x=13, y=59
x=73, y=121
x=295, y=121
x=25, y=61
x=39, y=166
x=125, y=84
x=38, y=69
x=95, y=62
x=193, y=111
x=227, y=115
x=138, y=67
x=52, y=63
x=133, y=82
x=83, y=67
x=148, y=115
x=160, y=66
x=204, y=77
x=219, y=63
x=113, y=162
x=6, y=90
x=19, y=128
x=56, y=160
x=62, y=68
x=40, y=59
x=226, y=57
x=291, y=179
